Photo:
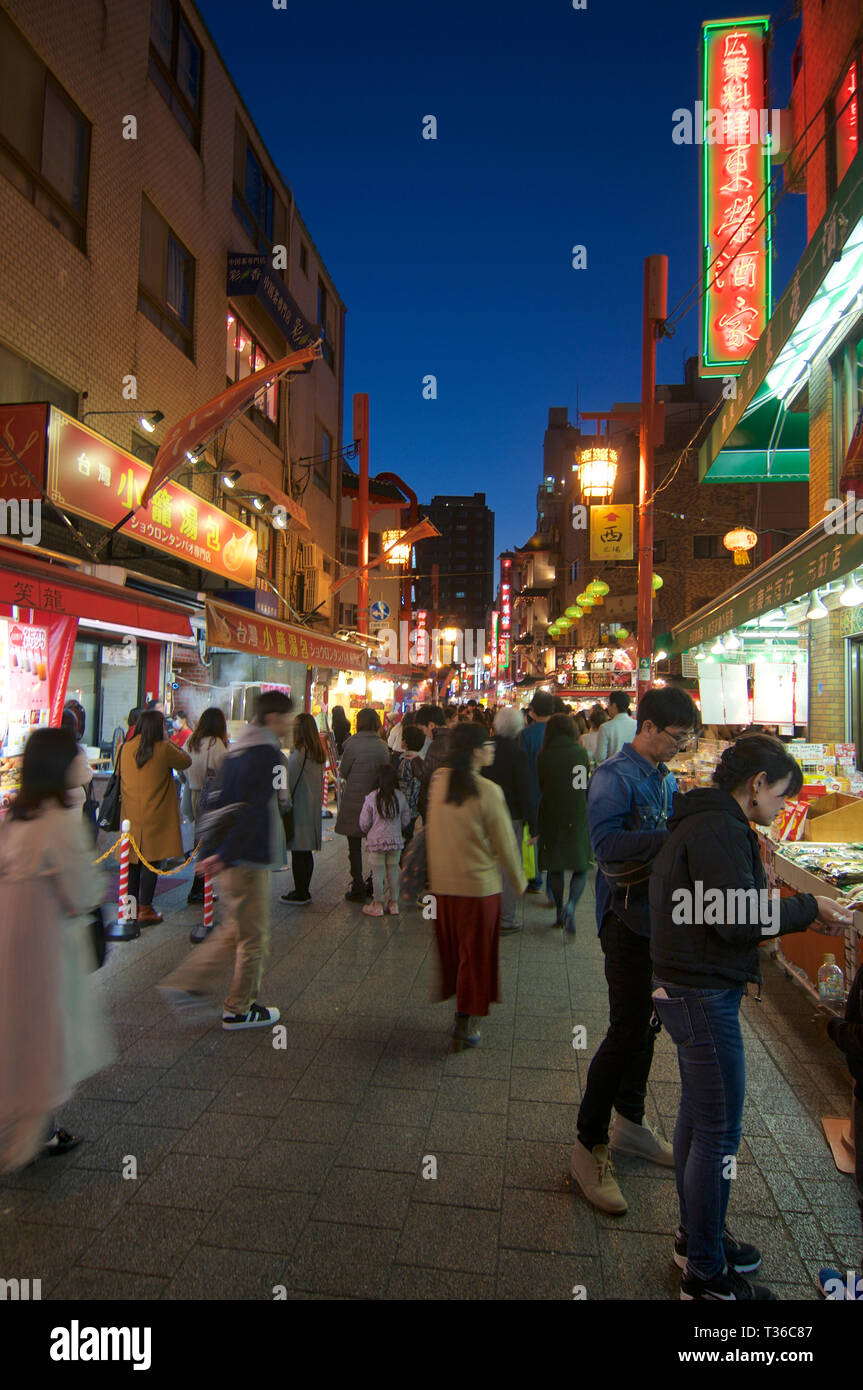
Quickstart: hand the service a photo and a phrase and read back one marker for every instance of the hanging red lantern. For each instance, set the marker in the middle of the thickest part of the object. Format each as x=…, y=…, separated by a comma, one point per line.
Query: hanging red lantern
x=741, y=540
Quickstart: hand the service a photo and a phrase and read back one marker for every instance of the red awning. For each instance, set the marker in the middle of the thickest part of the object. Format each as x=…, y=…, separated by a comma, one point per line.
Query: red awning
x=26, y=582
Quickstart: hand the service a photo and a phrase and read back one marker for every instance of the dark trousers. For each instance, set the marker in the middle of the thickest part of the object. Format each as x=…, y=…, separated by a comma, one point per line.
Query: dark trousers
x=355, y=855
x=621, y=1065
x=142, y=884
x=302, y=866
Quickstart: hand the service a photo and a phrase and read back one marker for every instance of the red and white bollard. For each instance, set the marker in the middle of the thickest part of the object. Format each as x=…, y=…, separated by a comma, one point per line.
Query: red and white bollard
x=325, y=811
x=208, y=904
x=125, y=928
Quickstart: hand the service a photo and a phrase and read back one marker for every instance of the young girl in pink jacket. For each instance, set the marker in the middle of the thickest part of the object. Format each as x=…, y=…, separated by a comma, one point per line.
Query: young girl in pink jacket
x=383, y=820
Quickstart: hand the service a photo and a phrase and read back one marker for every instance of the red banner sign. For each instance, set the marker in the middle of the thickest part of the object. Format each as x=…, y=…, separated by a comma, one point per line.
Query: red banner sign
x=735, y=172
x=94, y=478
x=23, y=428
x=239, y=630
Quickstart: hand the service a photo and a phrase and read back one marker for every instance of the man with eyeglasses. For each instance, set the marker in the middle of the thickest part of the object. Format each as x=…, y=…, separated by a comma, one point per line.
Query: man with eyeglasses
x=628, y=803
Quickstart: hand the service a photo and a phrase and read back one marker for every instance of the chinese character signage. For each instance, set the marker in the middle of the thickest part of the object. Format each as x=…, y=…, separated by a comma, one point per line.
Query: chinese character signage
x=238, y=630
x=505, y=628
x=611, y=532
x=23, y=428
x=250, y=273
x=735, y=193
x=94, y=478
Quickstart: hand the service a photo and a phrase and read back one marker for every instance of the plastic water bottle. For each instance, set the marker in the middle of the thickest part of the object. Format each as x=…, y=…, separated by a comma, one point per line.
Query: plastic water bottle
x=831, y=981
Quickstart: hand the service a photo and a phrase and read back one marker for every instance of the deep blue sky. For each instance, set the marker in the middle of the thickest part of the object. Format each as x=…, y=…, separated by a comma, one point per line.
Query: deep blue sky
x=454, y=256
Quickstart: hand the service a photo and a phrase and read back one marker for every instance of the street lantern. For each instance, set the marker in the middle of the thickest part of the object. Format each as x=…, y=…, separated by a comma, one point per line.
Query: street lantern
x=741, y=540
x=597, y=589
x=401, y=554
x=597, y=470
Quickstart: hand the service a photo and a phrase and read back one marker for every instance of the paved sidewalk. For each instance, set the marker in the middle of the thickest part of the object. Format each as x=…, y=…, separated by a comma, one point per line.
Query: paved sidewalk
x=303, y=1166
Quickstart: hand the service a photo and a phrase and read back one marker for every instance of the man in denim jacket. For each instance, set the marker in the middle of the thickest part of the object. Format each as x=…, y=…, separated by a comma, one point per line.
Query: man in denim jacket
x=628, y=802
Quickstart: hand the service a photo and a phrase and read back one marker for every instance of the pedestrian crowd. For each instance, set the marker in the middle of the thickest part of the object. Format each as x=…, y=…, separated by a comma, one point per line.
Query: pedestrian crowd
x=475, y=807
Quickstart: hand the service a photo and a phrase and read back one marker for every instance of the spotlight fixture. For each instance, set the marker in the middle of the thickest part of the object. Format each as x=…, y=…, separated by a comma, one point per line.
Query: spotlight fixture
x=699, y=654
x=231, y=479
x=257, y=504
x=150, y=420
x=852, y=595
x=815, y=609
x=732, y=642
x=278, y=521
x=718, y=648
x=661, y=656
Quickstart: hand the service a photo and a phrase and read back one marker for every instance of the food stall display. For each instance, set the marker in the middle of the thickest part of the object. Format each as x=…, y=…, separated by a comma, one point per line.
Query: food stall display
x=24, y=696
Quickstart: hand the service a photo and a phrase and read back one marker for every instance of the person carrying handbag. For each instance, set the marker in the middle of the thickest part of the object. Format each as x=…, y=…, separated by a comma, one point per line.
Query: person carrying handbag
x=207, y=748
x=303, y=821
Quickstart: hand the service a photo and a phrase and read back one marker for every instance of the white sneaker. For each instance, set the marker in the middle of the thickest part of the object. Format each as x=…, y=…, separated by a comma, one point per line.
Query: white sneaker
x=640, y=1141
x=592, y=1169
x=257, y=1017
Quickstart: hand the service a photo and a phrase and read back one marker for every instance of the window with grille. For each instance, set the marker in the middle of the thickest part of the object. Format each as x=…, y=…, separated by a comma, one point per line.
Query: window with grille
x=166, y=279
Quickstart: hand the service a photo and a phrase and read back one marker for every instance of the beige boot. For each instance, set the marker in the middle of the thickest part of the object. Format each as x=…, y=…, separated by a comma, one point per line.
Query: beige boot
x=640, y=1141
x=593, y=1171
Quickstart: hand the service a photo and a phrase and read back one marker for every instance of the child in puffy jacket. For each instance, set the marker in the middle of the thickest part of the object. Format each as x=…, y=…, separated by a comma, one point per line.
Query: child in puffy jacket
x=383, y=819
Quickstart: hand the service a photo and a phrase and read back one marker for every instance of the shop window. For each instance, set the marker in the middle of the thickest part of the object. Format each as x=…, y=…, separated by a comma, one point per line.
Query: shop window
x=243, y=356
x=348, y=616
x=844, y=109
x=323, y=464
x=709, y=548
x=304, y=258
x=349, y=547
x=256, y=202
x=326, y=320
x=21, y=380
x=166, y=279
x=176, y=65
x=44, y=138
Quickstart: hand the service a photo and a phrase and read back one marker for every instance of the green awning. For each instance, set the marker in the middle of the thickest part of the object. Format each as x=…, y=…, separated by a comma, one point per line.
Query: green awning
x=762, y=439
x=821, y=554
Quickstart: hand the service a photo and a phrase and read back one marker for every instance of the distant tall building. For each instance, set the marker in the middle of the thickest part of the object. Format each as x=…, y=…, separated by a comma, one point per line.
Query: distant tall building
x=464, y=554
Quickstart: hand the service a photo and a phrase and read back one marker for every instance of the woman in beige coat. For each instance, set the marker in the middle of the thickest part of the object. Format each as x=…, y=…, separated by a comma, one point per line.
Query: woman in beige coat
x=148, y=798
x=53, y=1032
x=469, y=838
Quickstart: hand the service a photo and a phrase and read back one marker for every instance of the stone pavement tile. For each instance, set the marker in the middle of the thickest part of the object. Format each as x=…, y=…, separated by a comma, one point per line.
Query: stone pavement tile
x=552, y=1221
x=145, y=1143
x=415, y=1045
x=527, y=1275
x=160, y=1049
x=817, y=1164
x=406, y=1072
x=190, y=1181
x=478, y=1095
x=92, y=1119
x=281, y=1064
x=636, y=1266
x=834, y=1190
x=38, y=1251
x=365, y=1197
x=121, y=1082
x=555, y=1056
x=257, y=1219
x=358, y=1026
x=664, y=1069
x=786, y=1191
x=394, y=1105
x=82, y=1197
x=796, y=1132
x=352, y=1052
x=408, y=1284
x=145, y=1240
x=754, y=1121
x=774, y=1240
x=651, y=1195
x=665, y=1095
x=384, y=1147
x=330, y=1258
x=233, y=1047
x=766, y=1152
x=795, y=1293
x=453, y=1131
x=541, y=1120
x=288, y=1165
x=848, y=1253
x=106, y=1285
x=15, y=1200
x=750, y=1191
x=464, y=1180
x=253, y=1095
x=449, y=1238
x=533, y=1004
x=478, y=1061
x=197, y=1073
x=241, y=1275
x=559, y=1086
x=536, y=1028
x=220, y=1135
x=541, y=1166
x=321, y=1081
x=125, y=1034
x=170, y=1106
x=313, y=1121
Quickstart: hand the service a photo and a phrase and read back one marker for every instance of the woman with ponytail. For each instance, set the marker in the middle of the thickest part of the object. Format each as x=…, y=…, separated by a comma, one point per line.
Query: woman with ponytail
x=710, y=910
x=470, y=838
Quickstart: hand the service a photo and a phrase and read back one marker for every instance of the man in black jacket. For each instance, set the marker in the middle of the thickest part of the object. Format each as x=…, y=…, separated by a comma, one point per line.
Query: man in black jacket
x=431, y=719
x=511, y=771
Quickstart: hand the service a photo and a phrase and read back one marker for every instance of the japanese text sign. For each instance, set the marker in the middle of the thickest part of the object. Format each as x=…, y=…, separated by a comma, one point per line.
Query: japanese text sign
x=611, y=532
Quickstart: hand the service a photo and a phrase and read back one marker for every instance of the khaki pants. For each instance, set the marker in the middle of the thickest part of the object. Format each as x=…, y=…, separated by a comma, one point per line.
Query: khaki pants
x=243, y=936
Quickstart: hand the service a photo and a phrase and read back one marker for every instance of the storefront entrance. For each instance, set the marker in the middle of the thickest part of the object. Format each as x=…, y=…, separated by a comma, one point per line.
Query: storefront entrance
x=107, y=684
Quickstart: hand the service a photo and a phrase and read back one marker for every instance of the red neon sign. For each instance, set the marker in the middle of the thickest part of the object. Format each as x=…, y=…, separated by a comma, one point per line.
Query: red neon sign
x=735, y=170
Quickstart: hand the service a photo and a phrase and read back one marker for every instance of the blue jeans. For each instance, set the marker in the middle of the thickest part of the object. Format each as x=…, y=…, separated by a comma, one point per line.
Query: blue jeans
x=704, y=1024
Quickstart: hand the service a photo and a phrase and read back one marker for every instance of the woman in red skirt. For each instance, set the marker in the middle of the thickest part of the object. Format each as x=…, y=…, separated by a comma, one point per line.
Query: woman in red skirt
x=469, y=837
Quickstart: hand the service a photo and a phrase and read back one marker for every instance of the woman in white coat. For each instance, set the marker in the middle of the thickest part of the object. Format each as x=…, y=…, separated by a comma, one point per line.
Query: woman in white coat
x=52, y=1028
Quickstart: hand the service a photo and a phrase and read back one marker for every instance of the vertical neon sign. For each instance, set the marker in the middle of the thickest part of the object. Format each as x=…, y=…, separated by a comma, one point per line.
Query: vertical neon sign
x=505, y=616
x=735, y=193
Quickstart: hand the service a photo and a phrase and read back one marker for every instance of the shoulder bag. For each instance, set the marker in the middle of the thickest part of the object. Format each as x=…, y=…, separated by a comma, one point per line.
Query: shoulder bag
x=288, y=813
x=109, y=811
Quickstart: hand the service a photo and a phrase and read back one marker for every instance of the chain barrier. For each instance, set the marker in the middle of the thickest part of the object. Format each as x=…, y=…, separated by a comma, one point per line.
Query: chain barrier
x=162, y=873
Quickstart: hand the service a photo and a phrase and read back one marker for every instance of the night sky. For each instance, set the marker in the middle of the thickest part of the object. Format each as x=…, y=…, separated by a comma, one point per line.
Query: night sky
x=454, y=256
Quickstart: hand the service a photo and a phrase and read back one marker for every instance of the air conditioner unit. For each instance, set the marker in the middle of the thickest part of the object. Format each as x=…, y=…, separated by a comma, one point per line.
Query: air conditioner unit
x=307, y=557
x=310, y=589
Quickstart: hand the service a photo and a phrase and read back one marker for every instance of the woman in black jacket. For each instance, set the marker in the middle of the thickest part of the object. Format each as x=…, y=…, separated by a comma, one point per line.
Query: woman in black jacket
x=710, y=908
x=511, y=771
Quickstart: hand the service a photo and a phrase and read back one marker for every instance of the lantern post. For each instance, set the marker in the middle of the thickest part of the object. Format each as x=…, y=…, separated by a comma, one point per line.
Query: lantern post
x=655, y=311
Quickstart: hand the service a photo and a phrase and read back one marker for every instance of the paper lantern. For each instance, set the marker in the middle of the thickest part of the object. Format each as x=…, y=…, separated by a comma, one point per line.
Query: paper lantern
x=657, y=582
x=597, y=589
x=574, y=612
x=563, y=624
x=597, y=470
x=741, y=540
x=621, y=634
x=585, y=600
